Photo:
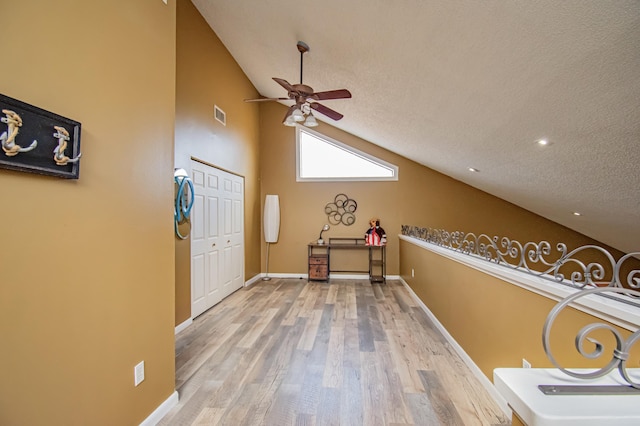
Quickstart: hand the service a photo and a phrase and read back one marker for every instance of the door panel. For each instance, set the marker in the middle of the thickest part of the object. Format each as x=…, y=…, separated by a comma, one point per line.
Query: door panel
x=213, y=181
x=197, y=219
x=237, y=265
x=228, y=217
x=213, y=218
x=213, y=289
x=237, y=217
x=198, y=283
x=227, y=277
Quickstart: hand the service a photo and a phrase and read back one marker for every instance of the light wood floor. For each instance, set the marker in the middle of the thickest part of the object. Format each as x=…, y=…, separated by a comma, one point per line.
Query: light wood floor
x=292, y=352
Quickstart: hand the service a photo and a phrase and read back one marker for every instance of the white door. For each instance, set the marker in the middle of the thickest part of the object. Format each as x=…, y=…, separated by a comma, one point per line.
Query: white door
x=217, y=236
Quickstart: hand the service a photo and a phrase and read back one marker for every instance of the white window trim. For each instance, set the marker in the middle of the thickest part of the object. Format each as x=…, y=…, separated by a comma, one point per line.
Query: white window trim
x=346, y=147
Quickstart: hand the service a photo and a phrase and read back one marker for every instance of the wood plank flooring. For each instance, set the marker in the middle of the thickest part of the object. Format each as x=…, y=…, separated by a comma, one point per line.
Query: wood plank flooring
x=292, y=352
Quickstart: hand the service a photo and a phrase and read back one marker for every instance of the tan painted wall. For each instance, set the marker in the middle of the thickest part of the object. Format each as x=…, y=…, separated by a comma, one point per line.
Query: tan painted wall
x=495, y=322
x=421, y=197
x=86, y=285
x=206, y=74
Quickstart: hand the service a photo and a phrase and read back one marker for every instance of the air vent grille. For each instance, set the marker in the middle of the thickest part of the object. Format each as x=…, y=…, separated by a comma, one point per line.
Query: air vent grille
x=220, y=115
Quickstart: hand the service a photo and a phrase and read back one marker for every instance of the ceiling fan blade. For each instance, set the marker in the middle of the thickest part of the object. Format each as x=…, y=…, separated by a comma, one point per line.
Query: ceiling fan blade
x=285, y=84
x=331, y=94
x=266, y=99
x=326, y=111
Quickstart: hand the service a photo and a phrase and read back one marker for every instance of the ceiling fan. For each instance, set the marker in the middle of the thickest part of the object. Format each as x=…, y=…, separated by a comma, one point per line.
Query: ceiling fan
x=305, y=98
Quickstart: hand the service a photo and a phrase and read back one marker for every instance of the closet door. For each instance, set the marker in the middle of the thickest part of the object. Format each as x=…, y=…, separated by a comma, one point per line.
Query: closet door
x=217, y=236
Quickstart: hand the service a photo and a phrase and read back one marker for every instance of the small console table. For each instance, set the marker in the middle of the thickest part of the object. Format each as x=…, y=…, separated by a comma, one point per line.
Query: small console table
x=320, y=258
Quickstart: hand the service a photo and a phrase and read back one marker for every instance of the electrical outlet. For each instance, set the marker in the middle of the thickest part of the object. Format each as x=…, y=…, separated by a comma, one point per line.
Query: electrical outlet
x=138, y=373
x=413, y=273
x=525, y=363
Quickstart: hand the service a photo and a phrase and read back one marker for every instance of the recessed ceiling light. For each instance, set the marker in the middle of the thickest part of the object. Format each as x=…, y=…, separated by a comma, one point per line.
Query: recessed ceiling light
x=471, y=169
x=577, y=214
x=543, y=142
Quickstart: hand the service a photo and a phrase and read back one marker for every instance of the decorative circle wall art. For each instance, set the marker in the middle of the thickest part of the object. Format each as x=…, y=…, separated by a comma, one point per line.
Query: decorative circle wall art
x=341, y=210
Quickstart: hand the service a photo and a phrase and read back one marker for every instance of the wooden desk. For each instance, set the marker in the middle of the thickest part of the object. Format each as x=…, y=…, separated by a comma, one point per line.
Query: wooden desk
x=320, y=258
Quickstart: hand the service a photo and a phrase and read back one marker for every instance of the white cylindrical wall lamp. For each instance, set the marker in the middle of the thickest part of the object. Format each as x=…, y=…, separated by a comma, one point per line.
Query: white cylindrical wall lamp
x=271, y=224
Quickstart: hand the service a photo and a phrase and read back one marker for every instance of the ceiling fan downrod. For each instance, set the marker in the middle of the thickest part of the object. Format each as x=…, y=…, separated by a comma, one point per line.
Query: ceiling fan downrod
x=302, y=48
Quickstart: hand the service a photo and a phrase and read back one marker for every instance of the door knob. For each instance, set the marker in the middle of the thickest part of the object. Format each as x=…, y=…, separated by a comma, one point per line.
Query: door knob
x=213, y=245
x=228, y=241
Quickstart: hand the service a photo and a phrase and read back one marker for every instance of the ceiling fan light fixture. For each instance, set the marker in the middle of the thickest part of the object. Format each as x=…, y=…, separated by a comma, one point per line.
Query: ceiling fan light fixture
x=311, y=121
x=297, y=115
x=289, y=121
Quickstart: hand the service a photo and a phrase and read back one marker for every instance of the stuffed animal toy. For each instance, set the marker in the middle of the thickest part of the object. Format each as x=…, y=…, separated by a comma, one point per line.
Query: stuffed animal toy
x=375, y=235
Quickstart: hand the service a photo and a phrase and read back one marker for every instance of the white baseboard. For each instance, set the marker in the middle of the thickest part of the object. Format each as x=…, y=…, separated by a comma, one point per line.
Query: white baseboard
x=272, y=275
x=486, y=383
x=305, y=276
x=348, y=276
x=183, y=325
x=360, y=276
x=157, y=415
x=253, y=280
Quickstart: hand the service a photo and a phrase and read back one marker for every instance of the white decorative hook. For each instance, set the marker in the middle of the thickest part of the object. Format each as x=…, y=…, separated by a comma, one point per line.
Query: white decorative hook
x=58, y=153
x=14, y=122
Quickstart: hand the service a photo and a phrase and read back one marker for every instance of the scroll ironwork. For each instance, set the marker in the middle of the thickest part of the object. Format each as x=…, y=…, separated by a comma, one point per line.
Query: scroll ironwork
x=560, y=265
x=620, y=355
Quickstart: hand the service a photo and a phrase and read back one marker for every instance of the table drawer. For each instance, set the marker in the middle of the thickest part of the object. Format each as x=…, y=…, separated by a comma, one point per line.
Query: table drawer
x=318, y=259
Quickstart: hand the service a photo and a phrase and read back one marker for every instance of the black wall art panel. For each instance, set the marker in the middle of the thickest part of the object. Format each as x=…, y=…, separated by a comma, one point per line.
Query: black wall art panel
x=38, y=141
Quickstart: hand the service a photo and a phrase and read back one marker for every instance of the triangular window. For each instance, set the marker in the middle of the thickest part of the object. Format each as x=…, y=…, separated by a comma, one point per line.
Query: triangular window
x=320, y=158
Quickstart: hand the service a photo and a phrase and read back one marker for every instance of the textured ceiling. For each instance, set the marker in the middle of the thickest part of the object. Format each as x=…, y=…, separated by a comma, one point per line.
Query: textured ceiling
x=459, y=84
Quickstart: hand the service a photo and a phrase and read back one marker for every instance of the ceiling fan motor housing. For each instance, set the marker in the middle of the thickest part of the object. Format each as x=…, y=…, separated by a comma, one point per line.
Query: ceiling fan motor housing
x=303, y=89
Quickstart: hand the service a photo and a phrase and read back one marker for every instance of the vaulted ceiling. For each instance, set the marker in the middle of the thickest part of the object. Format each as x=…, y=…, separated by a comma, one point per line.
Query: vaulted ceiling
x=455, y=85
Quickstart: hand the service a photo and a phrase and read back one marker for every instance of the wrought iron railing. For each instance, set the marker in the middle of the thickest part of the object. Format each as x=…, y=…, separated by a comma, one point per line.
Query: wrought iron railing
x=607, y=277
x=619, y=355
x=585, y=267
